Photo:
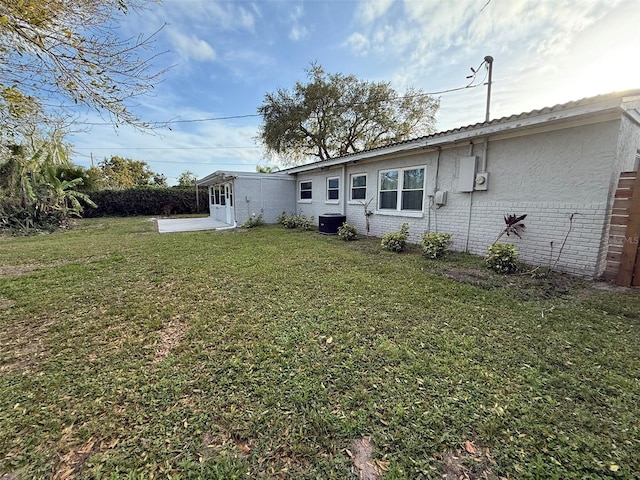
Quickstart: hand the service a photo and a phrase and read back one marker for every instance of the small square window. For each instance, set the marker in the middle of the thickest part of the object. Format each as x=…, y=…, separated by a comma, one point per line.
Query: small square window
x=306, y=190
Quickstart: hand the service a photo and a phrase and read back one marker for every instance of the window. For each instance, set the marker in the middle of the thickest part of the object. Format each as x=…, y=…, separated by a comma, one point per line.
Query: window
x=401, y=189
x=220, y=193
x=305, y=190
x=216, y=197
x=333, y=189
x=358, y=187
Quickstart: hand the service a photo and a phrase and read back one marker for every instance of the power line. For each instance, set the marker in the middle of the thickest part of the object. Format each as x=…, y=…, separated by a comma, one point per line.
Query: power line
x=168, y=148
x=235, y=117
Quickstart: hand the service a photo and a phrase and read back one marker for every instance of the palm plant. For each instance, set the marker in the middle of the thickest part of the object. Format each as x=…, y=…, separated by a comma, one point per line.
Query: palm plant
x=32, y=193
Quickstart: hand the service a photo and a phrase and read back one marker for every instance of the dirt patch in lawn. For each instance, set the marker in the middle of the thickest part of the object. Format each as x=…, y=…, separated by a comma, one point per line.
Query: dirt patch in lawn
x=526, y=286
x=170, y=335
x=361, y=454
x=22, y=344
x=470, y=463
x=72, y=463
x=19, y=270
x=215, y=443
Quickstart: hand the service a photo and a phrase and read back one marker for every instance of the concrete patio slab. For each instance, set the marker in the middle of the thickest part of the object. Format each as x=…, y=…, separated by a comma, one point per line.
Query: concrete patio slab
x=172, y=225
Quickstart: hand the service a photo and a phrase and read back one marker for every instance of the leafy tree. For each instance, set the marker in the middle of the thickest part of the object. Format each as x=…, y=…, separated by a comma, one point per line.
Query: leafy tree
x=336, y=114
x=186, y=179
x=159, y=180
x=121, y=173
x=266, y=169
x=69, y=50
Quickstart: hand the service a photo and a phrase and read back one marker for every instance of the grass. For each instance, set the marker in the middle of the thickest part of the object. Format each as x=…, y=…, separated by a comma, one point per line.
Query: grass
x=267, y=353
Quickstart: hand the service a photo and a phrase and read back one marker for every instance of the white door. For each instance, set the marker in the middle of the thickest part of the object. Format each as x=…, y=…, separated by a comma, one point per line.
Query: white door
x=228, y=202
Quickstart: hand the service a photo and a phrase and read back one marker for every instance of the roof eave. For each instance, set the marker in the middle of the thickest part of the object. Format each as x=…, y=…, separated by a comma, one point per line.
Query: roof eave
x=602, y=110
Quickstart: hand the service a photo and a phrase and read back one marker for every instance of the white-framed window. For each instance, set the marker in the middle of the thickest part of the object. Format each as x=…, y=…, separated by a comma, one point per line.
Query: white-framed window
x=305, y=191
x=359, y=186
x=333, y=189
x=401, y=189
x=219, y=193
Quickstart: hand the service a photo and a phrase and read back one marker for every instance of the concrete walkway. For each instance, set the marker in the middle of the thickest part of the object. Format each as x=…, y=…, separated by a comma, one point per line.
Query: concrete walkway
x=170, y=225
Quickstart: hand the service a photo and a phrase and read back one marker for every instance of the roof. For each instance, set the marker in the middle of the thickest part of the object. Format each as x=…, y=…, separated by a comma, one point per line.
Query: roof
x=222, y=176
x=613, y=103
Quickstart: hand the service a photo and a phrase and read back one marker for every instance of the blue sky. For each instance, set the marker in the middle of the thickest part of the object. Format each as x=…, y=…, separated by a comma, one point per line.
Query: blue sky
x=225, y=55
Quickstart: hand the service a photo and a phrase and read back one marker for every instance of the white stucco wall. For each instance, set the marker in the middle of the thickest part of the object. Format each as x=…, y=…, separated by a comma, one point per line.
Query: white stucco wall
x=319, y=203
x=263, y=195
x=549, y=176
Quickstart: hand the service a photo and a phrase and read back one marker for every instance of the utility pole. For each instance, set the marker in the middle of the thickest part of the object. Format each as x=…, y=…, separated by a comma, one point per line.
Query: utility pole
x=195, y=184
x=489, y=61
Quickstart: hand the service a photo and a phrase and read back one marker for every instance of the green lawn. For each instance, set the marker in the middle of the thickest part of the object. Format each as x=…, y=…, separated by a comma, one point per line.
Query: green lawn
x=271, y=353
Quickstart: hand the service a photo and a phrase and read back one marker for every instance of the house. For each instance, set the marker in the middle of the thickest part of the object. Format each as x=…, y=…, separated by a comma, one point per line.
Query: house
x=559, y=165
x=235, y=197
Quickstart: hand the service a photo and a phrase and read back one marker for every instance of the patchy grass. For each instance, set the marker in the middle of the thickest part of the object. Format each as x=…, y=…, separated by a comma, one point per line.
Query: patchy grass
x=275, y=354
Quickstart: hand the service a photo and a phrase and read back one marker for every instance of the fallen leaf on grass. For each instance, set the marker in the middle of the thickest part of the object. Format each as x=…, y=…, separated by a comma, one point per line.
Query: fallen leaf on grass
x=469, y=447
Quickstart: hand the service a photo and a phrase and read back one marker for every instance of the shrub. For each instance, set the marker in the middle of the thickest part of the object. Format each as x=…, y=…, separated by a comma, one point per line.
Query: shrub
x=253, y=221
x=148, y=201
x=347, y=232
x=295, y=220
x=304, y=222
x=502, y=258
x=396, y=241
x=434, y=245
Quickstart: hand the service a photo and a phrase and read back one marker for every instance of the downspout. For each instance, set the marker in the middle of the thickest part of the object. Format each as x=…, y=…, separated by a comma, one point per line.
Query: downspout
x=345, y=190
x=466, y=245
x=485, y=150
x=433, y=204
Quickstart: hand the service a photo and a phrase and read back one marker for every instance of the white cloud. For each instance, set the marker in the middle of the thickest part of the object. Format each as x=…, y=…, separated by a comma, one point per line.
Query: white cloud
x=358, y=43
x=371, y=10
x=298, y=31
x=220, y=15
x=191, y=47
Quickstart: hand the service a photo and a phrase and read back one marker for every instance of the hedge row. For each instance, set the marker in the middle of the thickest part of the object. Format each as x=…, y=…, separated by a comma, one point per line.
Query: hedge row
x=147, y=201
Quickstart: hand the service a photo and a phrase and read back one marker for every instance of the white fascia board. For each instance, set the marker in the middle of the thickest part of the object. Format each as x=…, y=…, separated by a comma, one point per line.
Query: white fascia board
x=225, y=175
x=552, y=120
x=216, y=178
x=407, y=146
x=262, y=175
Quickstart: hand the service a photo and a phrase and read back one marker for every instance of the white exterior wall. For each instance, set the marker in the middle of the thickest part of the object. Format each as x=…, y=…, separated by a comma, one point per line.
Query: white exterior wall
x=548, y=176
x=263, y=195
x=319, y=203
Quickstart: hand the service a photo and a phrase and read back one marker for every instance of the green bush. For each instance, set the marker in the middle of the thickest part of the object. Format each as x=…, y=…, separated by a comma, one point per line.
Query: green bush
x=502, y=258
x=253, y=221
x=295, y=220
x=347, y=232
x=396, y=241
x=148, y=201
x=434, y=245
